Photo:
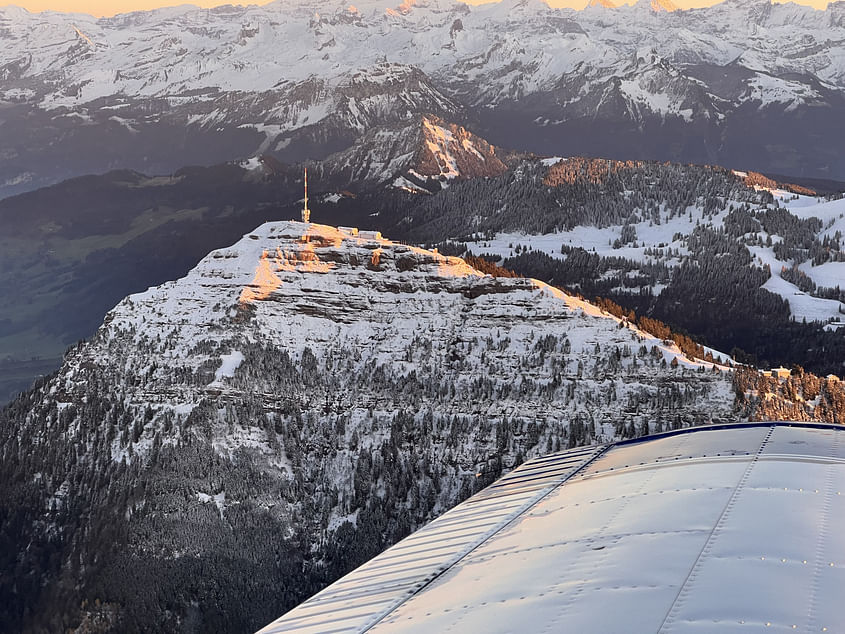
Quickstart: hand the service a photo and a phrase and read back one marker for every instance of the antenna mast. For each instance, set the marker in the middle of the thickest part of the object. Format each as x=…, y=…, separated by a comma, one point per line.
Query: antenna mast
x=306, y=213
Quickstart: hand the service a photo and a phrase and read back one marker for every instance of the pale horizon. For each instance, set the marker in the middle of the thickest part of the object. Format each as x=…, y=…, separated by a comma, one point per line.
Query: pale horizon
x=107, y=8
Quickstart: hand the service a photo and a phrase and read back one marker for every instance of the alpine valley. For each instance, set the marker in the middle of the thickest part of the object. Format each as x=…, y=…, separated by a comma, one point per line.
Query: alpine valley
x=745, y=84
x=229, y=442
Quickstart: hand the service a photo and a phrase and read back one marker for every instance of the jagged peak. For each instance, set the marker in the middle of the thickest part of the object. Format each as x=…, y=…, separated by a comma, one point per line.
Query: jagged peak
x=664, y=5
x=412, y=154
x=14, y=11
x=747, y=3
x=512, y=7
x=606, y=4
x=452, y=151
x=647, y=55
x=384, y=73
x=656, y=6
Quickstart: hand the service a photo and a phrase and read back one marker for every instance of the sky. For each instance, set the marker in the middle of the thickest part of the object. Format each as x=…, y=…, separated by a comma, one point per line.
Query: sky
x=111, y=7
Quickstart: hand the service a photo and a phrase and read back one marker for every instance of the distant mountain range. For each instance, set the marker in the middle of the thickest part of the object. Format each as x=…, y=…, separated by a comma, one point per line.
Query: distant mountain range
x=745, y=83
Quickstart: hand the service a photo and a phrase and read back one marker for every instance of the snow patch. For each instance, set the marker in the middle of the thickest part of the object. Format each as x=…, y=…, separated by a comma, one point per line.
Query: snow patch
x=218, y=499
x=252, y=164
x=230, y=363
x=554, y=160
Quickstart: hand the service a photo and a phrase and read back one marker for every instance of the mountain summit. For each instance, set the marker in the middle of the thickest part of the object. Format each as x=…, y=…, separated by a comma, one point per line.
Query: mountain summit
x=416, y=155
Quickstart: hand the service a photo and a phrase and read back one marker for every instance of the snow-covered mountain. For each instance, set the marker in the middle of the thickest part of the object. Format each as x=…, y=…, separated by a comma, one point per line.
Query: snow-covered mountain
x=509, y=48
x=357, y=299
x=239, y=437
x=746, y=82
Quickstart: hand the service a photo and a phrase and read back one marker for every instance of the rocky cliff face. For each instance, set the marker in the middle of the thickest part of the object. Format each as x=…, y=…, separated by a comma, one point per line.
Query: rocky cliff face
x=231, y=441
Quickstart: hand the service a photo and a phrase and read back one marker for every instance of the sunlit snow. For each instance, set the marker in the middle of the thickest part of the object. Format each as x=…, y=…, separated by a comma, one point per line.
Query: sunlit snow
x=651, y=236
